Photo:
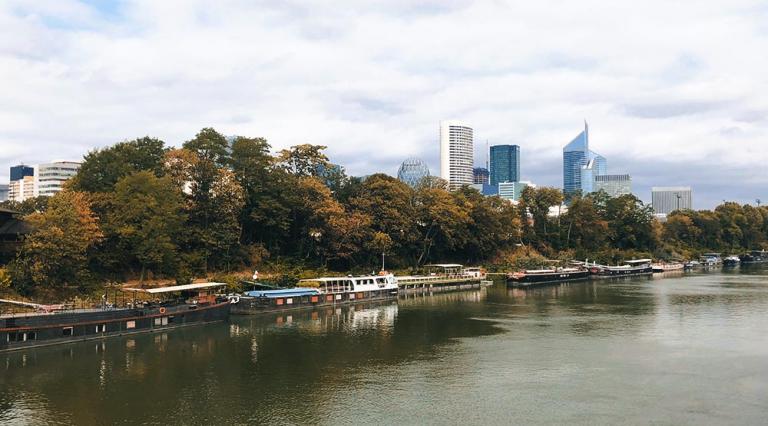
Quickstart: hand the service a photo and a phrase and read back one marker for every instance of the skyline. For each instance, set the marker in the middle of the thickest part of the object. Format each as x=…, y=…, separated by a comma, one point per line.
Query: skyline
x=672, y=106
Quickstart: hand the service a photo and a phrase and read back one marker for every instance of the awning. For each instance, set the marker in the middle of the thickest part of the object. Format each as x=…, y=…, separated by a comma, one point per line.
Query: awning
x=185, y=287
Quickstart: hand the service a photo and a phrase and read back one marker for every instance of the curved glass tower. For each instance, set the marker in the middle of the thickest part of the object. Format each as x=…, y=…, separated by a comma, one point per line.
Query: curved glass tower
x=580, y=165
x=412, y=171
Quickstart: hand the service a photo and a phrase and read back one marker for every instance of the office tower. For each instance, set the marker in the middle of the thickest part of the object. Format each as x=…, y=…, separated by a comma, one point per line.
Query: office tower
x=412, y=171
x=505, y=164
x=480, y=175
x=50, y=177
x=513, y=190
x=21, y=189
x=456, y=153
x=18, y=172
x=666, y=199
x=613, y=185
x=580, y=165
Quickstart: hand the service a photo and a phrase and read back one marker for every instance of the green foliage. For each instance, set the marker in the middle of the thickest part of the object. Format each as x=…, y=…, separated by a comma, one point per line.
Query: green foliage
x=5, y=279
x=101, y=169
x=57, y=251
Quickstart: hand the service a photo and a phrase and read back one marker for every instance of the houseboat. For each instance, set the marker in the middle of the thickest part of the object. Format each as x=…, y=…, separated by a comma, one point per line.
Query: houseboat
x=755, y=256
x=667, y=267
x=316, y=292
x=709, y=260
x=149, y=310
x=534, y=277
x=629, y=268
x=731, y=261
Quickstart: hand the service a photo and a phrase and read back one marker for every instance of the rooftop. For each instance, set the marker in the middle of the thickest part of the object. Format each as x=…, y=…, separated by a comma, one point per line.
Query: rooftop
x=171, y=289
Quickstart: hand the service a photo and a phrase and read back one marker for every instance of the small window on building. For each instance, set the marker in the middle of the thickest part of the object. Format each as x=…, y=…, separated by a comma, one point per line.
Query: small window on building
x=130, y=324
x=67, y=331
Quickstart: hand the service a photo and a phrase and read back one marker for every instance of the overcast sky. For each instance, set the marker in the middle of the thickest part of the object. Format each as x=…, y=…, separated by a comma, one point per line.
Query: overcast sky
x=675, y=92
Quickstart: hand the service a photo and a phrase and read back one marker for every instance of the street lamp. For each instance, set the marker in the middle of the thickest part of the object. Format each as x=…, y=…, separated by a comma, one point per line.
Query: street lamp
x=677, y=194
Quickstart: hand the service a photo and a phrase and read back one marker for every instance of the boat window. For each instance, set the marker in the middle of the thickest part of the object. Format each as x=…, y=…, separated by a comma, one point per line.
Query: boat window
x=67, y=331
x=158, y=321
x=101, y=328
x=11, y=337
x=170, y=318
x=130, y=324
x=31, y=336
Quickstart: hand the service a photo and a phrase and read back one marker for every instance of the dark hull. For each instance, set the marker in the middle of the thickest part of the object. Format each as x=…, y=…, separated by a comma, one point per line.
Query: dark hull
x=258, y=305
x=730, y=263
x=531, y=280
x=628, y=272
x=20, y=332
x=753, y=259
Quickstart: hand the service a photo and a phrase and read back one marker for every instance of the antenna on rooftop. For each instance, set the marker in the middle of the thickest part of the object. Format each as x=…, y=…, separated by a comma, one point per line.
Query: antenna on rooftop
x=758, y=201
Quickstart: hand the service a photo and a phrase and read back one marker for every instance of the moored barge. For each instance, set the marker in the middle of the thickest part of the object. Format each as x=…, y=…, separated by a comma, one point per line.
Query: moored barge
x=53, y=324
x=530, y=278
x=628, y=269
x=318, y=292
x=755, y=256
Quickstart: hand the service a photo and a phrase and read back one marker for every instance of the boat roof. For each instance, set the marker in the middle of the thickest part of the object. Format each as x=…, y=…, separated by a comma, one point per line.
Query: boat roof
x=344, y=278
x=444, y=265
x=171, y=289
x=634, y=261
x=283, y=292
x=710, y=254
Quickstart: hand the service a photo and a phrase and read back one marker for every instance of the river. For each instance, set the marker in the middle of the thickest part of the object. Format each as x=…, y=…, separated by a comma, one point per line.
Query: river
x=677, y=349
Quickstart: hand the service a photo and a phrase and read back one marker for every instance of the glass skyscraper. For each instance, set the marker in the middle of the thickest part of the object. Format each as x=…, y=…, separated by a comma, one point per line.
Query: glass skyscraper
x=412, y=171
x=580, y=165
x=505, y=164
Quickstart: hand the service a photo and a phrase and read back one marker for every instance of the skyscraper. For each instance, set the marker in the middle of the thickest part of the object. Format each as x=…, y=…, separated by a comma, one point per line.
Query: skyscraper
x=18, y=172
x=613, y=185
x=50, y=178
x=666, y=199
x=412, y=171
x=580, y=165
x=505, y=164
x=480, y=175
x=456, y=153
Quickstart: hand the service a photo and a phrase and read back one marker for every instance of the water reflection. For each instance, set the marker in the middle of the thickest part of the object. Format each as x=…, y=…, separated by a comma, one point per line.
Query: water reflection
x=570, y=353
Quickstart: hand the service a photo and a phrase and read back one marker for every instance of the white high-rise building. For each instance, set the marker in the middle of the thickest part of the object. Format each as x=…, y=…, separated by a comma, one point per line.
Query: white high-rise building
x=50, y=178
x=666, y=199
x=457, y=156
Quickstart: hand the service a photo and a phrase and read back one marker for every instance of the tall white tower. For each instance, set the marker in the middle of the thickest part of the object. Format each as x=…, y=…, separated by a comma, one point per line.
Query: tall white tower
x=456, y=153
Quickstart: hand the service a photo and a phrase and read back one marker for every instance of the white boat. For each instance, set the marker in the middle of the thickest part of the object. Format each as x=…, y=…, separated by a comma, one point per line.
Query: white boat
x=667, y=267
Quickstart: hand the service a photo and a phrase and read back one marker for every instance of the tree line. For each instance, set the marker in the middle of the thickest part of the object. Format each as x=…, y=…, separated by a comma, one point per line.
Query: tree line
x=140, y=209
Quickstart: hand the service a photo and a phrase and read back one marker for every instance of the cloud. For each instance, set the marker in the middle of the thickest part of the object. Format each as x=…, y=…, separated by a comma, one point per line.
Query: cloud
x=371, y=80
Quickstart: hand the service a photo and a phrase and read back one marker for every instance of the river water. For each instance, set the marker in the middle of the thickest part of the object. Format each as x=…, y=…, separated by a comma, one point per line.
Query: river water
x=678, y=349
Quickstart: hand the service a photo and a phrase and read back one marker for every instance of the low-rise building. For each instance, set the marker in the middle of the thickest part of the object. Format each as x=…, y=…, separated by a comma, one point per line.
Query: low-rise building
x=666, y=199
x=513, y=190
x=50, y=177
x=613, y=185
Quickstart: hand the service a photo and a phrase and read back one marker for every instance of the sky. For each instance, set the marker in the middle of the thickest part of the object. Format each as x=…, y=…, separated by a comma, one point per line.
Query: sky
x=675, y=92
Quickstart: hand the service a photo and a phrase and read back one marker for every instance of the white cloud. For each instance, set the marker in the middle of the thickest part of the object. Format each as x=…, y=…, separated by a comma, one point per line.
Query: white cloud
x=657, y=80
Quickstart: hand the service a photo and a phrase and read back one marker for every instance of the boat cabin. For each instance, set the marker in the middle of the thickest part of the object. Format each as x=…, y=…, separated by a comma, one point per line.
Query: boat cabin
x=350, y=284
x=445, y=269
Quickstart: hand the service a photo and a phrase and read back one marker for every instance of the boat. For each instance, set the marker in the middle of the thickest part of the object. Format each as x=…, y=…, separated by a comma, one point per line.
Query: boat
x=710, y=260
x=667, y=267
x=629, y=268
x=533, y=277
x=183, y=305
x=691, y=264
x=755, y=256
x=317, y=292
x=731, y=261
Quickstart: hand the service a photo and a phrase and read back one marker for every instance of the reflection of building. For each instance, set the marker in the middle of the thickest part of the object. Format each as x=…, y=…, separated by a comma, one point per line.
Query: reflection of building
x=456, y=153
x=480, y=175
x=666, y=199
x=580, y=165
x=513, y=190
x=505, y=164
x=50, y=178
x=613, y=185
x=412, y=171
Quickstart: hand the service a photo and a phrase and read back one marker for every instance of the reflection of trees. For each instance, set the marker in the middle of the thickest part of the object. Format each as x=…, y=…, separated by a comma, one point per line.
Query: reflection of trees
x=255, y=369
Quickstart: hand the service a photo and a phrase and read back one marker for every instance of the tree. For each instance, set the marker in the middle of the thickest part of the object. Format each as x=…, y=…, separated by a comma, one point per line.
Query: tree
x=56, y=252
x=630, y=223
x=304, y=160
x=587, y=230
x=210, y=146
x=146, y=218
x=102, y=168
x=442, y=219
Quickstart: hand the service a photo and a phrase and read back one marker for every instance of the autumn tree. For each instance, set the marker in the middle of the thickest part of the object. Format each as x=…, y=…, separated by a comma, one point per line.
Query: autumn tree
x=102, y=168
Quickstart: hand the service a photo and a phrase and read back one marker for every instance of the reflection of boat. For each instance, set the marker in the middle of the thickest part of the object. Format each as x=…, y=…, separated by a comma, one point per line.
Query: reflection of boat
x=318, y=292
x=755, y=256
x=629, y=268
x=731, y=261
x=195, y=304
x=528, y=278
x=667, y=267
